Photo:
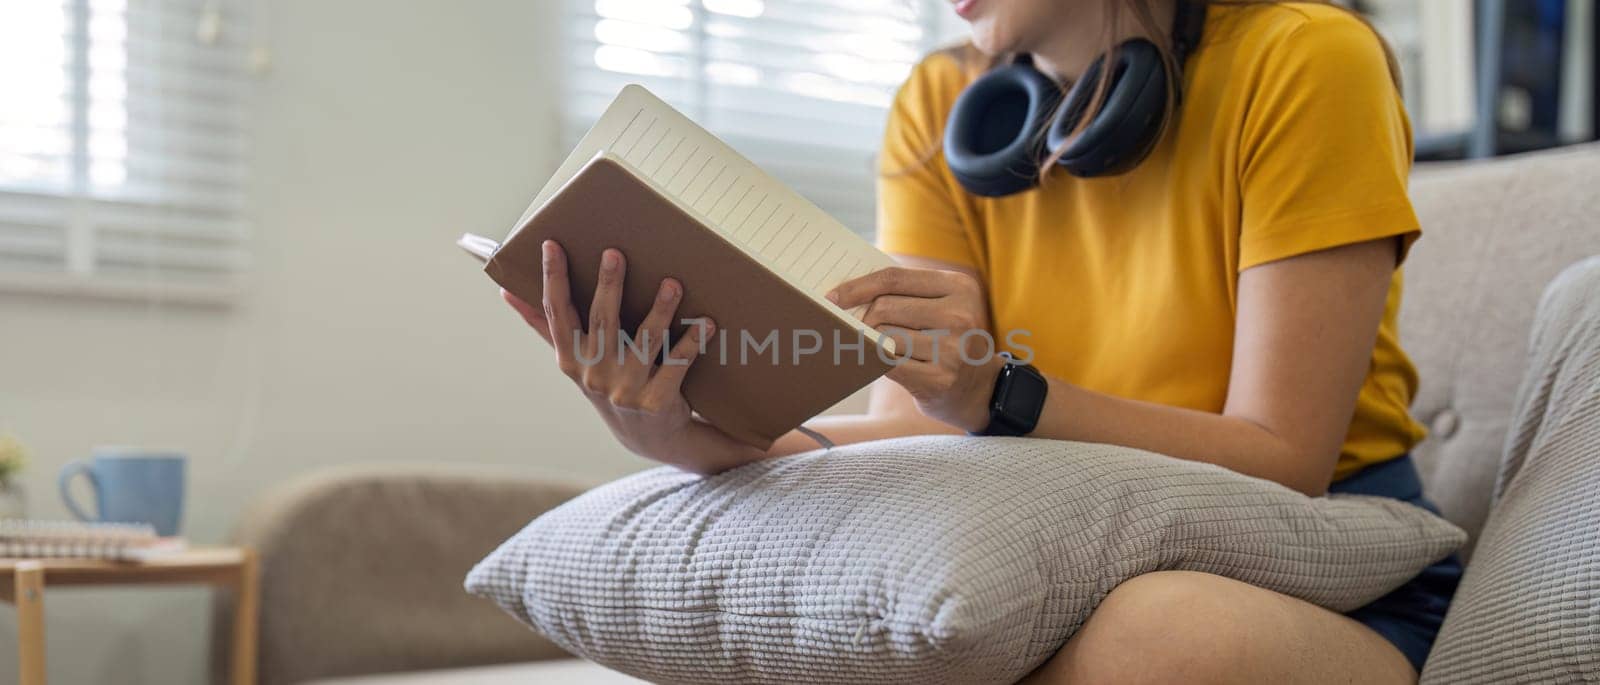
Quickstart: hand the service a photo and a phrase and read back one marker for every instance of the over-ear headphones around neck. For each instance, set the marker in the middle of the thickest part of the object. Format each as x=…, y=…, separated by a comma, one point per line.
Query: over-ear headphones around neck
x=1001, y=130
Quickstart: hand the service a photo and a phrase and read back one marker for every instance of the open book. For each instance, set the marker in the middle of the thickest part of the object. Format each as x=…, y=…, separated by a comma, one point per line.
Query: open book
x=751, y=253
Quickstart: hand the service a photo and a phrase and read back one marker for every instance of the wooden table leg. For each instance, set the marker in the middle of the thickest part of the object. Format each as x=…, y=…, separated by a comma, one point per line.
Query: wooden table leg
x=248, y=599
x=29, y=593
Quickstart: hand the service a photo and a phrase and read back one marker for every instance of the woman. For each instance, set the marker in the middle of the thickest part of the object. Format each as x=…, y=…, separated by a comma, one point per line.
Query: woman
x=1231, y=299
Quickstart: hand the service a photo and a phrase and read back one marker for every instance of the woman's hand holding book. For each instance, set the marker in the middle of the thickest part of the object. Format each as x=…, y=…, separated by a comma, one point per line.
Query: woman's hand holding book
x=641, y=401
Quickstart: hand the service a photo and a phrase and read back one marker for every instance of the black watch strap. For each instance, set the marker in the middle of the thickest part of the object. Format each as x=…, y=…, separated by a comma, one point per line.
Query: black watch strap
x=1017, y=400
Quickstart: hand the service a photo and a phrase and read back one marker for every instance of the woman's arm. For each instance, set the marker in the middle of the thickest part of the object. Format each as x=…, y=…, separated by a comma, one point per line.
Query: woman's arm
x=1303, y=340
x=1302, y=345
x=891, y=413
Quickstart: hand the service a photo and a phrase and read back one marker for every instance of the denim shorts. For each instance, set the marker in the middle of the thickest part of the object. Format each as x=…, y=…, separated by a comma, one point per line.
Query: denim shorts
x=1409, y=616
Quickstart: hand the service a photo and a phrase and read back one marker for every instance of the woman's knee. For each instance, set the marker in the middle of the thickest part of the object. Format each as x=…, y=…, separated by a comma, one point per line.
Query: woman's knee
x=1160, y=627
x=1180, y=626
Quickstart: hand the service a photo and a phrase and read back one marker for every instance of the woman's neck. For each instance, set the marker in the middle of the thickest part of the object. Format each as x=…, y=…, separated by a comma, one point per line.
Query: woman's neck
x=1067, y=52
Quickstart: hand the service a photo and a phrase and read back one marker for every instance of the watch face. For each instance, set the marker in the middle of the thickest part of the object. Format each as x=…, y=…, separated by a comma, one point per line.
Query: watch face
x=1019, y=398
x=1024, y=396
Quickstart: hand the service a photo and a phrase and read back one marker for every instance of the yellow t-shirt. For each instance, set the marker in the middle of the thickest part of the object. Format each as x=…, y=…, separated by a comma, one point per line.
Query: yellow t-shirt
x=1291, y=138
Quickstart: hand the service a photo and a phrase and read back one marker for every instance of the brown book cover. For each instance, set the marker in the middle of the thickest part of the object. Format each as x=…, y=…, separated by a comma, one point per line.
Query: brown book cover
x=753, y=392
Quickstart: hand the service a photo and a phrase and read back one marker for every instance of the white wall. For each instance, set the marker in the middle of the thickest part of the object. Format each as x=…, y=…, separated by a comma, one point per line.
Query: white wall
x=384, y=130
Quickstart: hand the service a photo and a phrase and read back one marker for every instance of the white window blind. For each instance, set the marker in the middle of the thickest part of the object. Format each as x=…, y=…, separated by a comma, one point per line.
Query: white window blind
x=122, y=144
x=801, y=87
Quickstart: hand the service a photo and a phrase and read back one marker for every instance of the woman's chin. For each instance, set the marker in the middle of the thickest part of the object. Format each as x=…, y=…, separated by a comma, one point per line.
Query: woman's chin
x=984, y=44
x=990, y=42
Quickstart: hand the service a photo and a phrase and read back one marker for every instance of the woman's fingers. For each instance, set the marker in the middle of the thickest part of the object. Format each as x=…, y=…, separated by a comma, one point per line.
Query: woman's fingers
x=668, y=379
x=534, y=316
x=895, y=280
x=919, y=313
x=652, y=333
x=604, y=320
x=559, y=312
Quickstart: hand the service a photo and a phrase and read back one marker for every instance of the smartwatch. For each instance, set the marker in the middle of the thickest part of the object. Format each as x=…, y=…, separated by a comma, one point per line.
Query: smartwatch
x=1018, y=399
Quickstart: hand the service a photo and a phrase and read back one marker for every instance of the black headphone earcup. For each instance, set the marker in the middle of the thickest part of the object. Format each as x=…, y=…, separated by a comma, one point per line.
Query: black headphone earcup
x=1125, y=129
x=993, y=137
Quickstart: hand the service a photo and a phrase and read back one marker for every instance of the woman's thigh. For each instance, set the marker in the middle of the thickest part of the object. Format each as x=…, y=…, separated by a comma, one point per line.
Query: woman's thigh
x=1181, y=626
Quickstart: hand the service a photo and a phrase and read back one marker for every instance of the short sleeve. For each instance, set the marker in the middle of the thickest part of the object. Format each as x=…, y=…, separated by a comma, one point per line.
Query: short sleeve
x=1325, y=149
x=919, y=213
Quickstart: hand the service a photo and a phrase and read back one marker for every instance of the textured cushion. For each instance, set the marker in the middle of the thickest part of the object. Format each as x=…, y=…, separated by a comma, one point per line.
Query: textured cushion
x=1494, y=234
x=933, y=559
x=1526, y=610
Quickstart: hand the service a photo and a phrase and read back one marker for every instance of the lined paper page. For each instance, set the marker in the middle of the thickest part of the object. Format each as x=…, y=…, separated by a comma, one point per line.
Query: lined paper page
x=754, y=211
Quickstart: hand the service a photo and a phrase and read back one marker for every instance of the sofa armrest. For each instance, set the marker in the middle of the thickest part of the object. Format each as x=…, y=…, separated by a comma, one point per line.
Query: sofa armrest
x=361, y=570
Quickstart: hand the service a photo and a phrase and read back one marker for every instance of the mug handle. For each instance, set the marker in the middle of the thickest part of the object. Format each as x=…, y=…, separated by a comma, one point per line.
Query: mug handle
x=69, y=471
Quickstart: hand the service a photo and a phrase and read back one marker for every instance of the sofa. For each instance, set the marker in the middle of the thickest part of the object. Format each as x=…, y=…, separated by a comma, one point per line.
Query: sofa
x=362, y=566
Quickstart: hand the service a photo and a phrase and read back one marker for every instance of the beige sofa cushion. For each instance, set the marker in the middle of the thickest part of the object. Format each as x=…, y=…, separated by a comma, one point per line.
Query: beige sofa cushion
x=361, y=570
x=1494, y=233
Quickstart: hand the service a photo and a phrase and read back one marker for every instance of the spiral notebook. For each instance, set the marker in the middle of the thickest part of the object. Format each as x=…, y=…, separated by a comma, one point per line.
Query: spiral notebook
x=37, y=539
x=751, y=253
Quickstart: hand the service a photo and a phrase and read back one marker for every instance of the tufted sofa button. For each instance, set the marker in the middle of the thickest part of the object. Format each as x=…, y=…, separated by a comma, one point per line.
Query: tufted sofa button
x=1445, y=423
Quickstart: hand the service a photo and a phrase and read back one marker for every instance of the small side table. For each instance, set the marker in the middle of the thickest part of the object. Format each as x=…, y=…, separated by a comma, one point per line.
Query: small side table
x=22, y=582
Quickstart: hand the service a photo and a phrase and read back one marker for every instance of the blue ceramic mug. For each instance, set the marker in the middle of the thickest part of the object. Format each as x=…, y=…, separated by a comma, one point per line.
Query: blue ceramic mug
x=130, y=487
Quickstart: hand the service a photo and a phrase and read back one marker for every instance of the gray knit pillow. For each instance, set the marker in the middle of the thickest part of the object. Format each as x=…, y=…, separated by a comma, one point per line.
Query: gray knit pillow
x=1528, y=610
x=919, y=560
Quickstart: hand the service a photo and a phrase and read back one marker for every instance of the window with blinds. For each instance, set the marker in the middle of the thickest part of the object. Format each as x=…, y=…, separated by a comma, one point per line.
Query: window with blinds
x=801, y=87
x=121, y=145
